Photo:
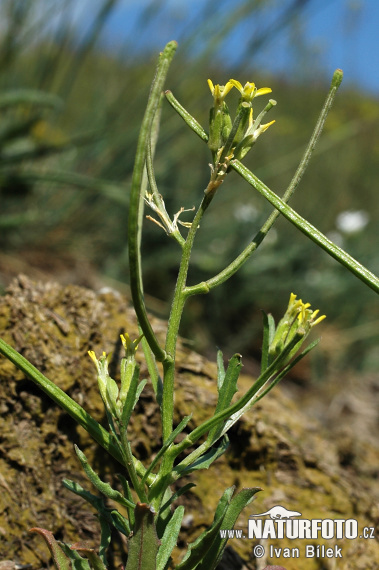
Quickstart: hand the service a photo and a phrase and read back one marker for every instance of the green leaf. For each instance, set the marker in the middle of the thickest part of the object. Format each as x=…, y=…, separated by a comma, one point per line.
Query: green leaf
x=220, y=370
x=120, y=522
x=131, y=398
x=128, y=495
x=234, y=509
x=199, y=548
x=137, y=196
x=105, y=538
x=170, y=537
x=143, y=545
x=76, y=488
x=104, y=488
x=285, y=370
x=95, y=560
x=223, y=502
x=165, y=512
x=77, y=562
x=268, y=335
x=206, y=460
x=191, y=121
x=175, y=496
x=98, y=504
x=166, y=445
x=226, y=392
x=60, y=559
x=229, y=385
x=164, y=515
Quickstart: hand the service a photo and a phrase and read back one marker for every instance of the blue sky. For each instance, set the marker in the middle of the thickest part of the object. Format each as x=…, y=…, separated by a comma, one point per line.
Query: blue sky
x=348, y=33
x=336, y=33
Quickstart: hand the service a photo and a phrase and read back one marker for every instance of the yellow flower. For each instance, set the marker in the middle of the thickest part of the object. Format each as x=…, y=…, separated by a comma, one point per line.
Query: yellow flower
x=298, y=319
x=305, y=316
x=219, y=92
x=249, y=90
x=129, y=345
x=107, y=386
x=101, y=363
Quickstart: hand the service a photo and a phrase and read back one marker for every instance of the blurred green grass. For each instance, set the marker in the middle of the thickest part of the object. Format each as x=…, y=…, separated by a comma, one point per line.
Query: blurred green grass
x=66, y=162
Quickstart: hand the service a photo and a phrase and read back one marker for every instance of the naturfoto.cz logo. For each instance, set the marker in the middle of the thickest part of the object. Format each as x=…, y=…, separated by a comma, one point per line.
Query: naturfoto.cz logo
x=281, y=524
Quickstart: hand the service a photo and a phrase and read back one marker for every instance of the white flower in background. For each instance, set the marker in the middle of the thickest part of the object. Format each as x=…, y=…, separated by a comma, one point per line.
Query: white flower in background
x=245, y=213
x=352, y=221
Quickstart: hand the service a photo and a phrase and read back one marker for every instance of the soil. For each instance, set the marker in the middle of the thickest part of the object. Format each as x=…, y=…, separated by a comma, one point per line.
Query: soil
x=325, y=468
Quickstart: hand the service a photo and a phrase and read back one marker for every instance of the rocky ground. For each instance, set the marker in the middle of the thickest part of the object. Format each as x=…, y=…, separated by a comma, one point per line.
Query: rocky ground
x=320, y=460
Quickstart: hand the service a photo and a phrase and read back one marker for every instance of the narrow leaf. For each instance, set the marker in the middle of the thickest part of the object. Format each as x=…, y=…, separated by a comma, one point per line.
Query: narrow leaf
x=166, y=445
x=128, y=494
x=60, y=559
x=170, y=537
x=77, y=562
x=143, y=545
x=130, y=400
x=226, y=392
x=234, y=509
x=88, y=552
x=120, y=522
x=199, y=548
x=105, y=538
x=285, y=371
x=268, y=335
x=176, y=495
x=206, y=460
x=104, y=488
x=220, y=370
x=98, y=504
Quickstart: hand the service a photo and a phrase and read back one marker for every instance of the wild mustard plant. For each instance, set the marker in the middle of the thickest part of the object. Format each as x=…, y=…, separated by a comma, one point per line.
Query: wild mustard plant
x=153, y=520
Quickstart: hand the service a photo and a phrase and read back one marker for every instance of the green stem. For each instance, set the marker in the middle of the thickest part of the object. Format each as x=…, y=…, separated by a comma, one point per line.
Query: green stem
x=130, y=466
x=158, y=202
x=137, y=202
x=174, y=322
x=310, y=231
x=189, y=119
x=231, y=269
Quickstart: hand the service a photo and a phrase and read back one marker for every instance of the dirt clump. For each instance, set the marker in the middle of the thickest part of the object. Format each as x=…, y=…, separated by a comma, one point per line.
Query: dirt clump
x=275, y=446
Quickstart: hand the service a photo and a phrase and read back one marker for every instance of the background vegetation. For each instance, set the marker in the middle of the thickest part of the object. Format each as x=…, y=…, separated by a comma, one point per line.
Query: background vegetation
x=66, y=161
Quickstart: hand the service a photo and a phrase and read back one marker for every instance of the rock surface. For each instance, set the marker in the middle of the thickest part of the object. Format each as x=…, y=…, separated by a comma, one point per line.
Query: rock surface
x=275, y=446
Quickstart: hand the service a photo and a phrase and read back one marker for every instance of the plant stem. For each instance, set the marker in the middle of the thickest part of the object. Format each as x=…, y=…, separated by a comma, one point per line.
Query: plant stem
x=205, y=427
x=231, y=269
x=137, y=201
x=310, y=231
x=174, y=322
x=129, y=464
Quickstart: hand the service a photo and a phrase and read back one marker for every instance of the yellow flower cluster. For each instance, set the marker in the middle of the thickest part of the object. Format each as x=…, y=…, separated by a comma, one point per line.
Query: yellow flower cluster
x=301, y=310
x=248, y=92
x=246, y=130
x=298, y=320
